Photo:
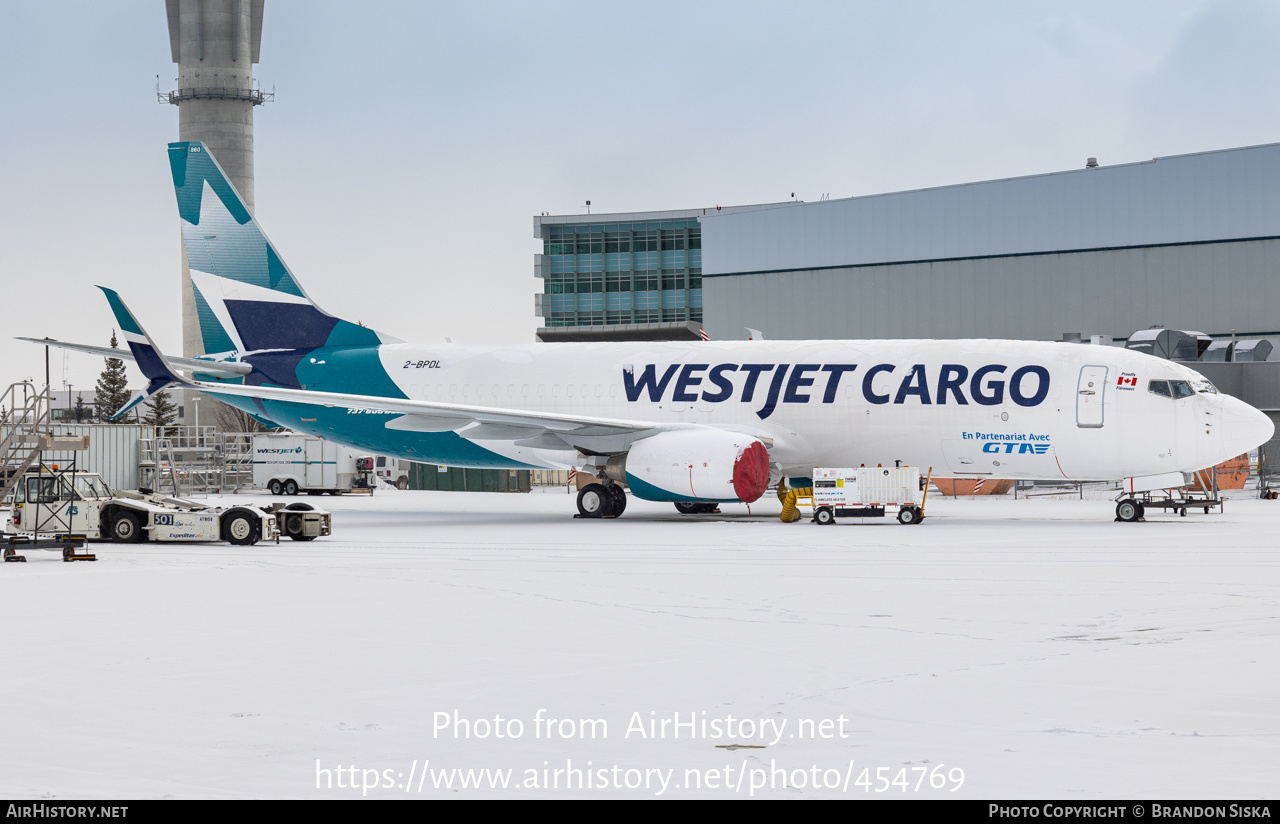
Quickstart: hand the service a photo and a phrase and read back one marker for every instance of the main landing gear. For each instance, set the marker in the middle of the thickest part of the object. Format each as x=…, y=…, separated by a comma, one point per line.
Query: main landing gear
x=690, y=508
x=601, y=501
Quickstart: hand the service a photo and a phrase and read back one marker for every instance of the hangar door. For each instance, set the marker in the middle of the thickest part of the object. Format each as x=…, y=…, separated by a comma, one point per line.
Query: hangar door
x=1090, y=395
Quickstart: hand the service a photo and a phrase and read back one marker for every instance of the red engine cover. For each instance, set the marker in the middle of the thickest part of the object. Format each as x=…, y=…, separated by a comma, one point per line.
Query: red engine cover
x=751, y=472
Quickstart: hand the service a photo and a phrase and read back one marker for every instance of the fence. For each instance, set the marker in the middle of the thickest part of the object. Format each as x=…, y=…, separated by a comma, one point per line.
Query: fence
x=456, y=479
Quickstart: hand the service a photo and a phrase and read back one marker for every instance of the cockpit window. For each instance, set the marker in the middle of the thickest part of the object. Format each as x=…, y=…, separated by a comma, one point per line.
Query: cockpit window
x=1172, y=389
x=1204, y=387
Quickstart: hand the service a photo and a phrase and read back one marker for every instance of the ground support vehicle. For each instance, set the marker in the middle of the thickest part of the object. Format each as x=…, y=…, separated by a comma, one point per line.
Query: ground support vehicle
x=302, y=522
x=392, y=471
x=80, y=503
x=286, y=463
x=867, y=493
x=1172, y=490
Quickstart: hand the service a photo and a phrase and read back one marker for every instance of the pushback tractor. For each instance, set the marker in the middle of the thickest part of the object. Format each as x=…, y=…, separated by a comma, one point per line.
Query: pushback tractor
x=81, y=503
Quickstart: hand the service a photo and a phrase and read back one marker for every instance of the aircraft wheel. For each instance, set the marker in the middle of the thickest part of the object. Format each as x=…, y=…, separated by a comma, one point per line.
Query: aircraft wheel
x=688, y=508
x=276, y=488
x=908, y=515
x=402, y=482
x=823, y=515
x=617, y=501
x=240, y=530
x=291, y=487
x=593, y=500
x=1128, y=510
x=126, y=528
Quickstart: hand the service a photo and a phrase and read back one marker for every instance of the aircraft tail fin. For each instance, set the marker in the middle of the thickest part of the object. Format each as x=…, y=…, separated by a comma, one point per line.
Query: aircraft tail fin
x=246, y=297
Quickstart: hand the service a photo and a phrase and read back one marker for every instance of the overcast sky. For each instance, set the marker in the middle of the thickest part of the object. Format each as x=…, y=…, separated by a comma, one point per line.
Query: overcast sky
x=410, y=144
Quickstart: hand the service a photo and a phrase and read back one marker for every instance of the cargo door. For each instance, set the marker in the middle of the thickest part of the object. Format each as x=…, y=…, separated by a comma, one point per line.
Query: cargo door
x=1091, y=394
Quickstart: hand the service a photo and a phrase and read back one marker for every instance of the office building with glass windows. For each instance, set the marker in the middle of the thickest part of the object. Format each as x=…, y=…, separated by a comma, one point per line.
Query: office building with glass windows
x=633, y=276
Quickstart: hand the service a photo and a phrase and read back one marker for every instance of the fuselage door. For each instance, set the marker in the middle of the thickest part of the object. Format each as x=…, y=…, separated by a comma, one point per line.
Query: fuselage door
x=1090, y=395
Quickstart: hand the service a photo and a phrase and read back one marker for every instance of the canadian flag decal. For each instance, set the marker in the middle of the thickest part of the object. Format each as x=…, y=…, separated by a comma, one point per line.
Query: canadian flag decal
x=1129, y=380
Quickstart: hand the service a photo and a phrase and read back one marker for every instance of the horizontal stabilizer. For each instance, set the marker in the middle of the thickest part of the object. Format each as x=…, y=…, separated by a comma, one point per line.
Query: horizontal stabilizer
x=227, y=369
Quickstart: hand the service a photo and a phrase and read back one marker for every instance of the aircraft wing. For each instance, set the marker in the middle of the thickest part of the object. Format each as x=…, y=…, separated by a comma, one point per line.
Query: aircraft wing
x=538, y=430
x=222, y=369
x=532, y=429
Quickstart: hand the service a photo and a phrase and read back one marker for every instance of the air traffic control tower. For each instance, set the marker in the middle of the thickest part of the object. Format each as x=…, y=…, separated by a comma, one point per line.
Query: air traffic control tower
x=215, y=44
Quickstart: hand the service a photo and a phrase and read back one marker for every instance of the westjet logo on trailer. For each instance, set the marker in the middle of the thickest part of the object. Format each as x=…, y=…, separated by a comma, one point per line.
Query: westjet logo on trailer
x=787, y=383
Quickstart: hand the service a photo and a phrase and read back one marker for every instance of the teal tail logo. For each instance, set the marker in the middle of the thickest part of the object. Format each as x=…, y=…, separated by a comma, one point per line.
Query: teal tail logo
x=246, y=298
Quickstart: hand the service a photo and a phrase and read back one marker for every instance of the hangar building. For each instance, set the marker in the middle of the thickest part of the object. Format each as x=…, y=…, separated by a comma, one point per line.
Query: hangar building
x=1188, y=242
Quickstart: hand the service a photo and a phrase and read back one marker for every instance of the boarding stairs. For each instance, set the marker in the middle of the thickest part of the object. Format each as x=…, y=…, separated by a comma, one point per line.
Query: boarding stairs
x=25, y=419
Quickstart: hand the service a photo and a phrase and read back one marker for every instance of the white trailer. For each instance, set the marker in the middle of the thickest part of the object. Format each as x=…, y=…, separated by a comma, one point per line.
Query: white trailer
x=288, y=463
x=867, y=493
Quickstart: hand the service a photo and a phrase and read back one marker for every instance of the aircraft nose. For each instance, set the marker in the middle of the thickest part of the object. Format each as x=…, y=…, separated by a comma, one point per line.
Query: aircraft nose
x=1243, y=427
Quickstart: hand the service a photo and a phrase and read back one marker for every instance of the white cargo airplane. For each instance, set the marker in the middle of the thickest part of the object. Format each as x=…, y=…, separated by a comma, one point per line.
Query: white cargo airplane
x=693, y=423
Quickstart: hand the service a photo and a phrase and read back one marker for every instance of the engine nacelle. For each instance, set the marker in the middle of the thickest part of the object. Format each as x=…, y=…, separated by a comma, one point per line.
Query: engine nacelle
x=698, y=465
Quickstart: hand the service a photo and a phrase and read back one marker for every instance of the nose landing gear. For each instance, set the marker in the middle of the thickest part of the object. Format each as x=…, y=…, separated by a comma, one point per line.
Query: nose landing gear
x=1129, y=510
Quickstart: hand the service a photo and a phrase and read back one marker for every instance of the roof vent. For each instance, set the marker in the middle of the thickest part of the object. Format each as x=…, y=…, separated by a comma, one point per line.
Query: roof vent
x=1091, y=163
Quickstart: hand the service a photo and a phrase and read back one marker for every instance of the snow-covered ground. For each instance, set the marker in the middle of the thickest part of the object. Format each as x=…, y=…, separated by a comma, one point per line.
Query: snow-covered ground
x=1038, y=646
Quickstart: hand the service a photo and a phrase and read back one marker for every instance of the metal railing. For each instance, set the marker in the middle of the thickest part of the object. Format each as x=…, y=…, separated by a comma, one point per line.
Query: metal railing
x=255, y=96
x=195, y=460
x=24, y=429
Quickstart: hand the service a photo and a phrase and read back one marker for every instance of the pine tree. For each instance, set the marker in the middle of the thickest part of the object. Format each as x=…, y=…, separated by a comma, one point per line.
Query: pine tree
x=113, y=385
x=161, y=412
x=230, y=419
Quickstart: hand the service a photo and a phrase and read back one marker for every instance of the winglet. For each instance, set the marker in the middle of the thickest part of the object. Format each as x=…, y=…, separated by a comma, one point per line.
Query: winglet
x=145, y=353
x=122, y=411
